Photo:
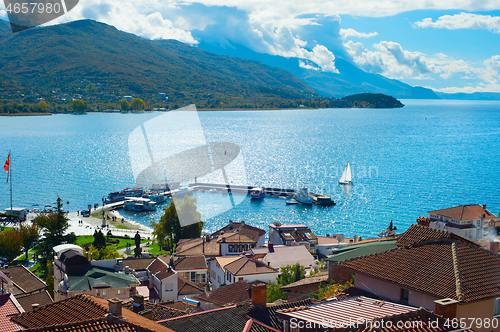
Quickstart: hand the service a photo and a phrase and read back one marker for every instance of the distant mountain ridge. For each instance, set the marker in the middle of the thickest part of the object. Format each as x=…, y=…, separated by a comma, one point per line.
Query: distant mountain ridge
x=350, y=79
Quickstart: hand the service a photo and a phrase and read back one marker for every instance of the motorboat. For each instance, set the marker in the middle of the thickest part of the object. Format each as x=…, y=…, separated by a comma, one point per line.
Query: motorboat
x=257, y=193
x=302, y=196
x=125, y=193
x=139, y=204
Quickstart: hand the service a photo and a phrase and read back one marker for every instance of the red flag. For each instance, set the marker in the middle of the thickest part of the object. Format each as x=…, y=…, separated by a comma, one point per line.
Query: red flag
x=6, y=166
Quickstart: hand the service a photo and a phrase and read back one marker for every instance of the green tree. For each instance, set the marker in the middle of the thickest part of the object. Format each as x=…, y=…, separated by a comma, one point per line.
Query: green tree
x=168, y=230
x=138, y=104
x=99, y=240
x=30, y=233
x=79, y=105
x=10, y=244
x=54, y=226
x=102, y=253
x=43, y=105
x=291, y=273
x=124, y=105
x=274, y=292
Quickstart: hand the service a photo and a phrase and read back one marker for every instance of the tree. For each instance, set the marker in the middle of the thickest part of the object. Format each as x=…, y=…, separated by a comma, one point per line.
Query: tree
x=10, y=244
x=138, y=104
x=79, y=105
x=124, y=105
x=274, y=292
x=54, y=226
x=168, y=230
x=326, y=291
x=102, y=253
x=391, y=228
x=43, y=105
x=99, y=240
x=291, y=273
x=30, y=233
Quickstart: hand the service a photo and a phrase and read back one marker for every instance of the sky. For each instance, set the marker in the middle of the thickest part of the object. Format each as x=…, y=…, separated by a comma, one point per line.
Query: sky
x=447, y=45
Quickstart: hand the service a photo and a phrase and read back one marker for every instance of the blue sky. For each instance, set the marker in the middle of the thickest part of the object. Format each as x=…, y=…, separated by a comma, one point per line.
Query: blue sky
x=447, y=45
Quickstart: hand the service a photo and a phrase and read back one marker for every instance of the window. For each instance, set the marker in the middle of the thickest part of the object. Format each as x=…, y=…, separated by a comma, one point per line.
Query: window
x=169, y=287
x=230, y=248
x=405, y=294
x=193, y=276
x=496, y=307
x=200, y=278
x=240, y=278
x=118, y=291
x=103, y=292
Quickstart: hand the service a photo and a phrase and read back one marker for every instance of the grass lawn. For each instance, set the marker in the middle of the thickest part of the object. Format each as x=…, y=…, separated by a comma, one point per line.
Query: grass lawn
x=155, y=250
x=83, y=239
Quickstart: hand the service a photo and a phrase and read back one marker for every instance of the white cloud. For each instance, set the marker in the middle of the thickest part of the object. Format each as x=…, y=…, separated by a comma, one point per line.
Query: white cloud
x=491, y=73
x=303, y=64
x=463, y=21
x=346, y=33
x=3, y=14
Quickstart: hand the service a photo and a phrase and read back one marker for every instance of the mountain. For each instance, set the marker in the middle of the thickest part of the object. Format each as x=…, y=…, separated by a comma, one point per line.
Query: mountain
x=350, y=79
x=93, y=58
x=470, y=96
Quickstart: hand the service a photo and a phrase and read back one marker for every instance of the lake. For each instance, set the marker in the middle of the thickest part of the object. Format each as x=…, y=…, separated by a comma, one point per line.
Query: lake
x=431, y=154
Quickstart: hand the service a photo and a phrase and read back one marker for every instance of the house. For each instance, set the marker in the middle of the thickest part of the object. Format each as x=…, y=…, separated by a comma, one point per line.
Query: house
x=75, y=274
x=289, y=234
x=256, y=234
x=187, y=289
x=225, y=271
x=229, y=240
x=448, y=276
x=301, y=289
x=153, y=311
x=237, y=293
x=362, y=314
x=193, y=268
x=85, y=313
x=467, y=221
x=328, y=244
x=163, y=281
x=279, y=256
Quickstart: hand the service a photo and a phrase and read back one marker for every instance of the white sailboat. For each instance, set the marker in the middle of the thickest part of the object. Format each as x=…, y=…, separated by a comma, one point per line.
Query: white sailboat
x=346, y=177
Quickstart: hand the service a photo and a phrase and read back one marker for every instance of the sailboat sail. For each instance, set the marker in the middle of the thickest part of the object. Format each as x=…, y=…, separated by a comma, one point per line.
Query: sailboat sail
x=346, y=175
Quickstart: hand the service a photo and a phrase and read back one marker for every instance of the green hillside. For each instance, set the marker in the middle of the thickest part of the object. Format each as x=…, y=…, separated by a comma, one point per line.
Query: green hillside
x=99, y=62
x=373, y=100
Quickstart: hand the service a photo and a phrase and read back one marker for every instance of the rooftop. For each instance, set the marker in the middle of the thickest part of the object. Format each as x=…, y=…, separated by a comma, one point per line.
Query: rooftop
x=247, y=266
x=267, y=315
x=466, y=212
x=27, y=300
x=416, y=234
x=186, y=287
x=236, y=293
x=345, y=312
x=97, y=276
x=363, y=249
x=253, y=232
x=160, y=312
x=8, y=307
x=280, y=256
x=321, y=277
x=444, y=268
x=193, y=247
x=137, y=263
x=24, y=280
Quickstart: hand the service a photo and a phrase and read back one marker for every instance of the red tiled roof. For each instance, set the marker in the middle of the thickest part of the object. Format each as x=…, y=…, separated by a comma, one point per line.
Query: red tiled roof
x=75, y=309
x=7, y=309
x=160, y=312
x=247, y=266
x=252, y=324
x=179, y=305
x=103, y=324
x=236, y=293
x=417, y=233
x=157, y=265
x=192, y=247
x=190, y=263
x=327, y=240
x=443, y=268
x=465, y=212
x=164, y=274
x=137, y=263
x=27, y=300
x=252, y=232
x=185, y=286
x=321, y=277
x=24, y=279
x=234, y=238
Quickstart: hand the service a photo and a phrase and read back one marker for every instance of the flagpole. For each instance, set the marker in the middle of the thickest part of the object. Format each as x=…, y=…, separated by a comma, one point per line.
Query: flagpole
x=10, y=174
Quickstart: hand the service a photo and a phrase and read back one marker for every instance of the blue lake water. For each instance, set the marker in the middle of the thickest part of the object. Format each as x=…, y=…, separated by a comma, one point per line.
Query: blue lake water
x=428, y=155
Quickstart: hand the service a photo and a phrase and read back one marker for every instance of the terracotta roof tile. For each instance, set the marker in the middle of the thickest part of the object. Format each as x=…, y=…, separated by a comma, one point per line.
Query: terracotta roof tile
x=190, y=263
x=160, y=312
x=465, y=212
x=321, y=277
x=8, y=308
x=137, y=263
x=443, y=268
x=24, y=279
x=108, y=325
x=75, y=309
x=234, y=238
x=267, y=315
x=187, y=287
x=192, y=247
x=157, y=265
x=417, y=233
x=236, y=293
x=27, y=300
x=247, y=266
x=179, y=305
x=253, y=232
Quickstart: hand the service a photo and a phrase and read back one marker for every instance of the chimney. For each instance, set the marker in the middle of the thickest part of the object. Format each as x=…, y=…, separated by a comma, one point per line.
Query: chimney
x=243, y=223
x=230, y=222
x=127, y=269
x=171, y=263
x=270, y=246
x=35, y=306
x=115, y=306
x=138, y=303
x=259, y=295
x=484, y=206
x=494, y=247
x=446, y=307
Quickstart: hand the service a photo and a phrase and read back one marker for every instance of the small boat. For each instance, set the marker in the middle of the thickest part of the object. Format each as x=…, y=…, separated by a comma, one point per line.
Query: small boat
x=257, y=193
x=346, y=177
x=322, y=200
x=302, y=196
x=139, y=204
x=156, y=197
